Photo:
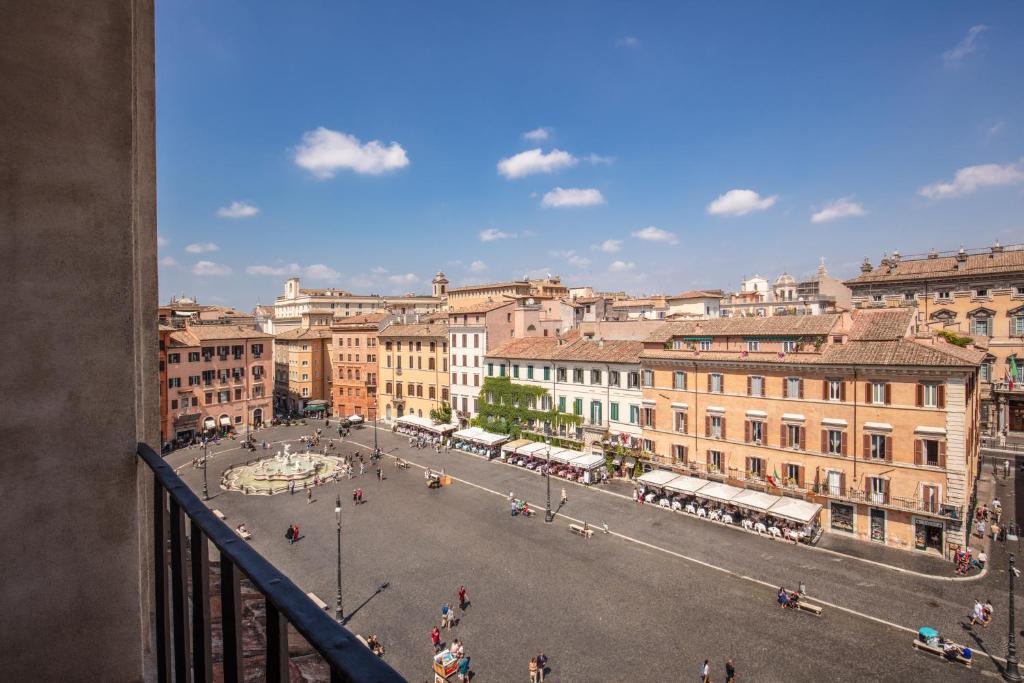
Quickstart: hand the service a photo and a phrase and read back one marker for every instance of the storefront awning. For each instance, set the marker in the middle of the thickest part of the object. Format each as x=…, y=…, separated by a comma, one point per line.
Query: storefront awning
x=225, y=421
x=480, y=436
x=754, y=500
x=186, y=421
x=686, y=485
x=723, y=493
x=658, y=478
x=319, y=408
x=426, y=423
x=209, y=423
x=534, y=449
x=511, y=446
x=588, y=461
x=795, y=509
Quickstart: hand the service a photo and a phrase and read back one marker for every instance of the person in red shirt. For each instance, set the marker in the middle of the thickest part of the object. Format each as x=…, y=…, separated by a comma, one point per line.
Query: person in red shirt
x=435, y=638
x=462, y=597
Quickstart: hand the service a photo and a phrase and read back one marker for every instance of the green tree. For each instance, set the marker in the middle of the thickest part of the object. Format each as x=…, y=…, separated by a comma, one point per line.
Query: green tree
x=442, y=415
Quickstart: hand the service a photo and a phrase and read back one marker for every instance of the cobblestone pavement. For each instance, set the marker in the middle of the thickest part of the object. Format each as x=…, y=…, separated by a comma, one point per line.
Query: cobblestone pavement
x=651, y=599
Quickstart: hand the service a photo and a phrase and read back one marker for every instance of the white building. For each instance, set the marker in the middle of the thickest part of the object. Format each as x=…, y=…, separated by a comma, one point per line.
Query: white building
x=693, y=305
x=296, y=301
x=474, y=330
x=599, y=380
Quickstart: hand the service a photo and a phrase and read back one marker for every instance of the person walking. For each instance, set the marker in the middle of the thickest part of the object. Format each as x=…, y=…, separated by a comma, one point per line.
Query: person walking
x=295, y=533
x=451, y=615
x=978, y=613
x=533, y=670
x=435, y=638
x=542, y=663
x=564, y=497
x=445, y=616
x=359, y=496
x=705, y=673
x=309, y=496
x=730, y=671
x=380, y=475
x=462, y=598
x=464, y=668
x=290, y=534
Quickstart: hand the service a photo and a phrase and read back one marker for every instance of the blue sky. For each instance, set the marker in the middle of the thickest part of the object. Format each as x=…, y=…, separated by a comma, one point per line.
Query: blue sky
x=655, y=146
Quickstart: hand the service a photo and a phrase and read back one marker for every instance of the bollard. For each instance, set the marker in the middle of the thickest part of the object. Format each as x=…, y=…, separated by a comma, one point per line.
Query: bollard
x=803, y=588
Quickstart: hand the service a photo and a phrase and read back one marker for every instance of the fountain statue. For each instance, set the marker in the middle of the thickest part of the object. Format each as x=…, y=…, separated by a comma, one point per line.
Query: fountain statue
x=280, y=472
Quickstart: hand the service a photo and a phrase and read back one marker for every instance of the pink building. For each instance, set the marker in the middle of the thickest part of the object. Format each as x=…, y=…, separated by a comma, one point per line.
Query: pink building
x=218, y=377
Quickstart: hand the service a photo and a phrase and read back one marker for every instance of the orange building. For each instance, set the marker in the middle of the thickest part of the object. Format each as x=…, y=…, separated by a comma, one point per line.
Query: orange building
x=354, y=358
x=852, y=411
x=302, y=370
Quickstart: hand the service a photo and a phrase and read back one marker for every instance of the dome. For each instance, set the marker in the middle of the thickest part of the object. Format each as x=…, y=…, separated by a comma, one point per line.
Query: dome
x=785, y=280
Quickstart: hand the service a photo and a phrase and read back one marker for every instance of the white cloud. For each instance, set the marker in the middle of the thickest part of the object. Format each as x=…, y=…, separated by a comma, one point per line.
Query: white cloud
x=406, y=279
x=572, y=196
x=740, y=203
x=275, y=271
x=535, y=161
x=621, y=266
x=628, y=41
x=653, y=234
x=319, y=271
x=843, y=207
x=971, y=178
x=996, y=128
x=162, y=241
x=237, y=210
x=168, y=262
x=201, y=247
x=210, y=268
x=598, y=160
x=573, y=258
x=609, y=246
x=323, y=152
x=492, y=234
x=965, y=46
x=378, y=270
x=477, y=267
x=537, y=134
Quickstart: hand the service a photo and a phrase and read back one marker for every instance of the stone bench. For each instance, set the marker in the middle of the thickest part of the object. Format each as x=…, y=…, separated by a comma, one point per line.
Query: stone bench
x=578, y=529
x=808, y=607
x=925, y=647
x=318, y=602
x=219, y=515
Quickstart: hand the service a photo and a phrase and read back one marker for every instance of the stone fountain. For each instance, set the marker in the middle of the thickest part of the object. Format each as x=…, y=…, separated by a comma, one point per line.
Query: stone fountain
x=277, y=473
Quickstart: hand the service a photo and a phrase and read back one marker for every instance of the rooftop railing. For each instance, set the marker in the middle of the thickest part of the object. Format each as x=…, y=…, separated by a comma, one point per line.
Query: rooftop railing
x=182, y=525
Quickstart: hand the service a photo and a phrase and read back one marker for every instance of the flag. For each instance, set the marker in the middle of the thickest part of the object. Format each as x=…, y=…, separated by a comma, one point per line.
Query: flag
x=1014, y=370
x=773, y=478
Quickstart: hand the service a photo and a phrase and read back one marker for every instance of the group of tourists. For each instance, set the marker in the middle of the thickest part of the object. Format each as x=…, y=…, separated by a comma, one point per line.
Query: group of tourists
x=981, y=614
x=456, y=648
x=965, y=561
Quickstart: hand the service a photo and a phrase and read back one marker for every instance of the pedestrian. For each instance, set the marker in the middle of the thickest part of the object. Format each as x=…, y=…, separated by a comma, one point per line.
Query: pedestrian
x=542, y=662
x=730, y=671
x=510, y=496
x=462, y=598
x=987, y=611
x=533, y=670
x=464, y=668
x=451, y=615
x=309, y=496
x=359, y=494
x=355, y=498
x=705, y=673
x=564, y=497
x=978, y=613
x=295, y=532
x=380, y=475
x=435, y=638
x=290, y=534
x=445, y=616
x=362, y=467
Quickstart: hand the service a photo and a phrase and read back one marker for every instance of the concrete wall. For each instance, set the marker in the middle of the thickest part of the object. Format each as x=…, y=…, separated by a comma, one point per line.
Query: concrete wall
x=78, y=380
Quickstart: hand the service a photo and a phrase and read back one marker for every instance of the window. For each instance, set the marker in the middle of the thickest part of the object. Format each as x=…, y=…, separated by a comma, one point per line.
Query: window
x=834, y=390
x=679, y=380
x=715, y=426
x=876, y=298
x=715, y=460
x=755, y=431
x=878, y=446
x=305, y=376
x=529, y=372
x=174, y=358
x=982, y=327
x=476, y=341
x=209, y=397
x=490, y=369
x=794, y=436
x=679, y=453
x=753, y=345
x=648, y=417
x=431, y=392
x=596, y=416
x=931, y=452
x=755, y=385
x=634, y=414
x=648, y=446
x=173, y=382
x=501, y=370
x=648, y=378
x=633, y=380
x=515, y=371
x=756, y=468
x=943, y=294
x=794, y=474
x=305, y=391
x=794, y=387
x=834, y=442
x=547, y=373
x=715, y=383
x=789, y=346
x=561, y=404
x=928, y=395
x=577, y=375
x=193, y=356
x=680, y=422
x=613, y=411
x=577, y=406
x=878, y=393
x=560, y=375
x=877, y=490
x=981, y=292
x=595, y=376
x=1017, y=326
x=705, y=345
x=986, y=372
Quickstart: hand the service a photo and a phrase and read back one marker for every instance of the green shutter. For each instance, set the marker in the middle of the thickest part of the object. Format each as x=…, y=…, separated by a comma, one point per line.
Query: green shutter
x=577, y=406
x=613, y=411
x=561, y=404
x=529, y=372
x=501, y=370
x=634, y=414
x=515, y=371
x=547, y=373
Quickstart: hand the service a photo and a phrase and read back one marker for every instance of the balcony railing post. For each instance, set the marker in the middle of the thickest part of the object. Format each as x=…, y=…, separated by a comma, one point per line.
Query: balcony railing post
x=179, y=596
x=277, y=645
x=162, y=603
x=203, y=663
x=231, y=619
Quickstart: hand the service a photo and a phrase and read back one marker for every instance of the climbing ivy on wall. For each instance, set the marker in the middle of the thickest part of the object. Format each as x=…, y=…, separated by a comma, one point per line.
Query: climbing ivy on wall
x=505, y=407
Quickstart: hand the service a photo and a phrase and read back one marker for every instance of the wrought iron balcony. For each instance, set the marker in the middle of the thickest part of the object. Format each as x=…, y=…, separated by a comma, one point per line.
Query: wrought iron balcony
x=182, y=525
x=855, y=495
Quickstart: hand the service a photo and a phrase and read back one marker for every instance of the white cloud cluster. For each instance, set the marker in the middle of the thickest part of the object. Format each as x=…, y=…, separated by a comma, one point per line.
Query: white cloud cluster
x=477, y=267
x=275, y=271
x=598, y=160
x=162, y=241
x=609, y=246
x=169, y=262
x=534, y=161
x=323, y=152
x=573, y=258
x=972, y=178
x=740, y=203
x=966, y=46
x=653, y=234
x=237, y=210
x=572, y=197
x=493, y=234
x=537, y=134
x=844, y=207
x=403, y=279
x=201, y=247
x=204, y=268
x=317, y=271
x=621, y=266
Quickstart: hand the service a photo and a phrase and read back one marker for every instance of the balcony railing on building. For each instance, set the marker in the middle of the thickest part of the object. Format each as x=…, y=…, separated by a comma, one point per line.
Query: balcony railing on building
x=926, y=505
x=183, y=528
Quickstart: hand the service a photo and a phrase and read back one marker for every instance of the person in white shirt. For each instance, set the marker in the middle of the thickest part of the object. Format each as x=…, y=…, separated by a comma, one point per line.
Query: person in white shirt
x=978, y=613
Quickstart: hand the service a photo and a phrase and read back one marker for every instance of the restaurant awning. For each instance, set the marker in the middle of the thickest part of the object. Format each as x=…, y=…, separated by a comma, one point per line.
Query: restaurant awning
x=426, y=423
x=317, y=402
x=755, y=500
x=225, y=421
x=563, y=455
x=355, y=419
x=535, y=449
x=480, y=436
x=658, y=478
x=588, y=461
x=687, y=485
x=318, y=408
x=511, y=446
x=723, y=493
x=795, y=509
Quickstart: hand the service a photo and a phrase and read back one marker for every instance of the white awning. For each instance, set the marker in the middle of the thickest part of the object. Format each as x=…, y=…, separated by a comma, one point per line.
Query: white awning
x=793, y=417
x=648, y=402
x=535, y=449
x=658, y=477
x=588, y=461
x=225, y=421
x=715, y=409
x=680, y=406
x=688, y=485
x=833, y=422
x=562, y=455
x=209, y=423
x=511, y=446
x=878, y=426
x=718, y=491
x=355, y=418
x=795, y=509
x=426, y=423
x=756, y=413
x=755, y=500
x=933, y=431
x=480, y=436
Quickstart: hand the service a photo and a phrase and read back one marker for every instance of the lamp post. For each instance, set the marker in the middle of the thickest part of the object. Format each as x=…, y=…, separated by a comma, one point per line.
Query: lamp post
x=206, y=463
x=375, y=448
x=548, y=517
x=1012, y=665
x=338, y=612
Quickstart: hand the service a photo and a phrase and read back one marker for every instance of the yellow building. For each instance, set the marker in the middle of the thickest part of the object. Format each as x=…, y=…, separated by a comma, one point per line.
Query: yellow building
x=852, y=411
x=469, y=295
x=412, y=378
x=978, y=293
x=302, y=369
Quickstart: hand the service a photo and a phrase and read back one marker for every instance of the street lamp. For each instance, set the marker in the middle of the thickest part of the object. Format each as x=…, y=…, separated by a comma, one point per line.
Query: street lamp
x=206, y=462
x=1012, y=668
x=338, y=613
x=375, y=448
x=548, y=517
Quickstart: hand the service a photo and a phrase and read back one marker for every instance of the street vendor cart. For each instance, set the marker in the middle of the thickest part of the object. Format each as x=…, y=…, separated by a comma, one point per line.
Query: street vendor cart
x=445, y=666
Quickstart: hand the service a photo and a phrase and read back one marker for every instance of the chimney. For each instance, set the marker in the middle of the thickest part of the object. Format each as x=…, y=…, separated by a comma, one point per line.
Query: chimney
x=961, y=258
x=866, y=266
x=996, y=248
x=933, y=253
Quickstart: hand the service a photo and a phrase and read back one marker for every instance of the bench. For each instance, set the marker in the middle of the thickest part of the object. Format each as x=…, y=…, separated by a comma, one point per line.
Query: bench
x=362, y=640
x=925, y=647
x=245, y=536
x=401, y=464
x=318, y=602
x=219, y=515
x=578, y=529
x=808, y=607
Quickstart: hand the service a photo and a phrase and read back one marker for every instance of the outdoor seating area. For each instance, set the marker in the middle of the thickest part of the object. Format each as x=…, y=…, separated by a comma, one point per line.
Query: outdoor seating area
x=478, y=442
x=423, y=429
x=584, y=468
x=780, y=517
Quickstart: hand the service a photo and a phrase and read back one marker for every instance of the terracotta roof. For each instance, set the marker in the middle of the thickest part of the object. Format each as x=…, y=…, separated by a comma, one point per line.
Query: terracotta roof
x=781, y=326
x=490, y=285
x=211, y=332
x=526, y=348
x=696, y=294
x=415, y=330
x=582, y=350
x=944, y=267
x=875, y=325
x=359, y=320
x=587, y=299
x=482, y=307
x=657, y=301
x=304, y=333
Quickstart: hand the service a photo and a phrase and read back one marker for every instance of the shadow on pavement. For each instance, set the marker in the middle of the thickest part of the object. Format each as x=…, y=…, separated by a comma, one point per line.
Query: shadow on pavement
x=380, y=589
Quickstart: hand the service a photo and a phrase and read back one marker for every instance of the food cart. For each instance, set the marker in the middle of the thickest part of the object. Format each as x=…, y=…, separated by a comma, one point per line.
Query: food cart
x=445, y=666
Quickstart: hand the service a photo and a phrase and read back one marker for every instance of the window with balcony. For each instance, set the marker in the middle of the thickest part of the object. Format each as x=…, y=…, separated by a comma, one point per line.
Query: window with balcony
x=716, y=461
x=794, y=475
x=715, y=383
x=755, y=385
x=790, y=346
x=930, y=498
x=756, y=467
x=678, y=453
x=877, y=489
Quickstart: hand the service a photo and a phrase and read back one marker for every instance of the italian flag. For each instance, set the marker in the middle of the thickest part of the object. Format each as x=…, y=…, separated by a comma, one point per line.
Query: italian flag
x=773, y=478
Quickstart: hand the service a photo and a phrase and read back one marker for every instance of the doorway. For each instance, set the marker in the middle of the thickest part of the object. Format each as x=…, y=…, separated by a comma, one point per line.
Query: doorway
x=877, y=525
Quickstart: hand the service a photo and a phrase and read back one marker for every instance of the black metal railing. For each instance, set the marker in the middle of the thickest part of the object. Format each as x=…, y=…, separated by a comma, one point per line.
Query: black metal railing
x=183, y=638
x=855, y=495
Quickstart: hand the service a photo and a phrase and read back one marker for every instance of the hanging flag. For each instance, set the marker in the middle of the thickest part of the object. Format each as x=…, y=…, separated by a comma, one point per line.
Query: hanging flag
x=1014, y=369
x=773, y=478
